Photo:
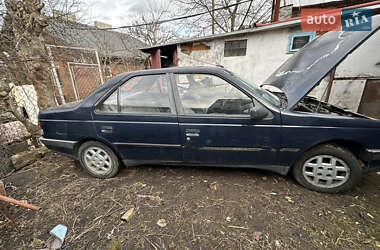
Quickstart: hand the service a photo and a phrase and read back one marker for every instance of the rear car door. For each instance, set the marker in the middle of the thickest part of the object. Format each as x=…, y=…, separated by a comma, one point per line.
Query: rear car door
x=215, y=123
x=139, y=119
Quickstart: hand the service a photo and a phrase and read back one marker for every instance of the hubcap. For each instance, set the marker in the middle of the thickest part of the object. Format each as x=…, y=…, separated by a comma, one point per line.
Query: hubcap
x=326, y=171
x=97, y=160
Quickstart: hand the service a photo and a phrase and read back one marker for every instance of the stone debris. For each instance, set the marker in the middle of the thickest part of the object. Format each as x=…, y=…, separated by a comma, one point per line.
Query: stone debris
x=162, y=223
x=370, y=216
x=21, y=160
x=289, y=199
x=13, y=132
x=277, y=243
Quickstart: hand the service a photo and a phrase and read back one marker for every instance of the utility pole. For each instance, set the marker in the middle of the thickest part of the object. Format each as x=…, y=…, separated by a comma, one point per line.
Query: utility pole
x=213, y=17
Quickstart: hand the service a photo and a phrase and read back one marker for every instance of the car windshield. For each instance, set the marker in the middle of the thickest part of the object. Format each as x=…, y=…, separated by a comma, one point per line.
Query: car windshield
x=268, y=96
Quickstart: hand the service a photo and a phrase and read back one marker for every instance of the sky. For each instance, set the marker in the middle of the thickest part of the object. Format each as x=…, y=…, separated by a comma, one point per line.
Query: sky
x=119, y=12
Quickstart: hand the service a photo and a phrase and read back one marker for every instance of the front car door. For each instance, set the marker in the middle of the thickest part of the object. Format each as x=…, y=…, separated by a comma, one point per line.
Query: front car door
x=139, y=119
x=215, y=123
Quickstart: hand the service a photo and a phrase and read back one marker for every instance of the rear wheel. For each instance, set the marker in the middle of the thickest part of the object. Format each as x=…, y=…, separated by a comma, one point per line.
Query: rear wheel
x=98, y=159
x=328, y=168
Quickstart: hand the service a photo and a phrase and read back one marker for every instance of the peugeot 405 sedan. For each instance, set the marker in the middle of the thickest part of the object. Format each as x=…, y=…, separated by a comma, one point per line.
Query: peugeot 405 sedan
x=208, y=116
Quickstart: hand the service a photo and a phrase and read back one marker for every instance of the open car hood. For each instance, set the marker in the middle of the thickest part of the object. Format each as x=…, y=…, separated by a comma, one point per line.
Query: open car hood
x=305, y=69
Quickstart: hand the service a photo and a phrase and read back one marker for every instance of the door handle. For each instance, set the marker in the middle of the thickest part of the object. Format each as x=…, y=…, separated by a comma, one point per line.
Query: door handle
x=192, y=134
x=106, y=129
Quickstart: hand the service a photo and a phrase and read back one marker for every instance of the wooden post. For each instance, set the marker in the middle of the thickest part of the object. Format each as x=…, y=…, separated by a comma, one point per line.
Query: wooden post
x=329, y=87
x=276, y=11
x=175, y=57
x=156, y=59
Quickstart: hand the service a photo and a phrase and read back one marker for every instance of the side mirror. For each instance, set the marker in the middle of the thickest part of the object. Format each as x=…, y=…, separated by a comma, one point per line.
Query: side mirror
x=259, y=113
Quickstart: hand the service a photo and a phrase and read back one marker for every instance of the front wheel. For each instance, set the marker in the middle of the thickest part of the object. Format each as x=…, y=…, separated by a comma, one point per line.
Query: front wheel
x=328, y=168
x=98, y=159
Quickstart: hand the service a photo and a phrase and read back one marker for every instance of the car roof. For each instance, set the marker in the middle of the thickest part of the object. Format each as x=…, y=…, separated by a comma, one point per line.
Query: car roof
x=94, y=96
x=183, y=70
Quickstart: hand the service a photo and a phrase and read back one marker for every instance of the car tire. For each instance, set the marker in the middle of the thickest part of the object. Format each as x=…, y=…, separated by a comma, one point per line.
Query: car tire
x=328, y=168
x=98, y=160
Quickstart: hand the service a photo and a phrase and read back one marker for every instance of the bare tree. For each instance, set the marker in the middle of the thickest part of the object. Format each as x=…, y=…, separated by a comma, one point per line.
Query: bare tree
x=230, y=18
x=155, y=32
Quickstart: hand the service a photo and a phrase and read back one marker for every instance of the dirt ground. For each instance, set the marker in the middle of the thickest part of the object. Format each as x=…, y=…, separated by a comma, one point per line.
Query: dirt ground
x=243, y=209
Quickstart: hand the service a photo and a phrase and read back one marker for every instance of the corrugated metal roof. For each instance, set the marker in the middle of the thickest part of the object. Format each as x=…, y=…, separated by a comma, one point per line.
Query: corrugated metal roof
x=108, y=43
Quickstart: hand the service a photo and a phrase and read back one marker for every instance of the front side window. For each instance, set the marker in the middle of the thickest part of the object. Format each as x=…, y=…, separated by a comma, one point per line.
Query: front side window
x=202, y=94
x=140, y=94
x=110, y=105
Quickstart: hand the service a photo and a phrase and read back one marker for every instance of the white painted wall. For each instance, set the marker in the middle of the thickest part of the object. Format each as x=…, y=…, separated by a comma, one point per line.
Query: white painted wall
x=364, y=61
x=265, y=52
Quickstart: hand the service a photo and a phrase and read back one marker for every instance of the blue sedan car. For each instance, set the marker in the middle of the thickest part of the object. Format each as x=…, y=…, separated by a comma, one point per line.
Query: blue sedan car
x=208, y=116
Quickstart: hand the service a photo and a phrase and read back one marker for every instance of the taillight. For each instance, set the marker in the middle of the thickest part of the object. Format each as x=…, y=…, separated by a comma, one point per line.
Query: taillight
x=41, y=127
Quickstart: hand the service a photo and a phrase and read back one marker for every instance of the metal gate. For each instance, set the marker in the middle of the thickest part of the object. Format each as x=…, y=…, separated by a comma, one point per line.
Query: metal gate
x=76, y=72
x=85, y=78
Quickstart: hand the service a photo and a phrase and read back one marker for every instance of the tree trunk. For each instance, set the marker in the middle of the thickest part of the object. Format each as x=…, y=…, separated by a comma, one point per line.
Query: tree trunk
x=23, y=26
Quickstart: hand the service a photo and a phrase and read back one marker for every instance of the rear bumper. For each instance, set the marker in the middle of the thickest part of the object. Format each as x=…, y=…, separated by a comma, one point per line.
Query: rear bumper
x=62, y=146
x=374, y=164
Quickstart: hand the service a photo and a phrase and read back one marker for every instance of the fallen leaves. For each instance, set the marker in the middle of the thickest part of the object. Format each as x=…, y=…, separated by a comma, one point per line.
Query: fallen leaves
x=257, y=235
x=212, y=186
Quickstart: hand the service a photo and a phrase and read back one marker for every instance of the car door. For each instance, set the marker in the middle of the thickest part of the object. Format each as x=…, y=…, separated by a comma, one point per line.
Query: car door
x=215, y=123
x=139, y=119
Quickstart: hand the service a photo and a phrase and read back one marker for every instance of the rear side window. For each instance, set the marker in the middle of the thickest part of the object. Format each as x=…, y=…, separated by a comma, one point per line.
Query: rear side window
x=141, y=94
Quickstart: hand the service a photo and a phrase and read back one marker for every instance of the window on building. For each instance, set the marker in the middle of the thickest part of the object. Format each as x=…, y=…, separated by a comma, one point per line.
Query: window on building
x=203, y=94
x=141, y=94
x=298, y=40
x=235, y=48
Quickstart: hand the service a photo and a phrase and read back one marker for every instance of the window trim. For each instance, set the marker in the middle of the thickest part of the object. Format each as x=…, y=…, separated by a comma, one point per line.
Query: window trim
x=310, y=34
x=246, y=47
x=173, y=109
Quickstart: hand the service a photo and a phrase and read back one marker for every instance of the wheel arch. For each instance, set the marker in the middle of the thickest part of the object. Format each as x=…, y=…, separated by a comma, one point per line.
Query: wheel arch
x=80, y=142
x=354, y=147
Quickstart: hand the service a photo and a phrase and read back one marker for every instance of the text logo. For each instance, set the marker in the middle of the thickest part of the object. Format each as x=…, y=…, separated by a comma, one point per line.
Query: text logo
x=357, y=19
x=336, y=19
x=321, y=19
